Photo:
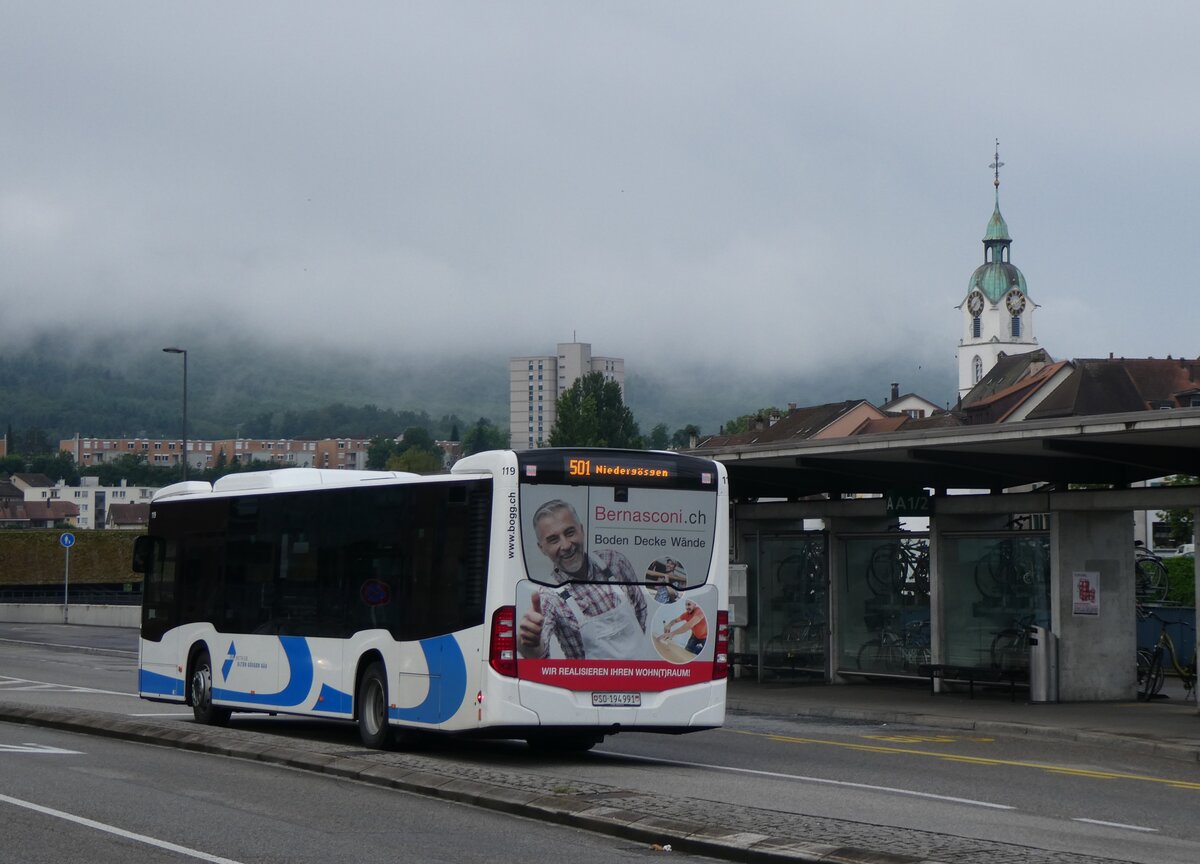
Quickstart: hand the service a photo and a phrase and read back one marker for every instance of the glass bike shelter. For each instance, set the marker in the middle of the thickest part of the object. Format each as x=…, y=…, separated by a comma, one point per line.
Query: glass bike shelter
x=991, y=587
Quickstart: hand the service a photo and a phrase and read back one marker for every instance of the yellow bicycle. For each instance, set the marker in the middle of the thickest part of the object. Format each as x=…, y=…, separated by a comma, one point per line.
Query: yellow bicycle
x=1150, y=670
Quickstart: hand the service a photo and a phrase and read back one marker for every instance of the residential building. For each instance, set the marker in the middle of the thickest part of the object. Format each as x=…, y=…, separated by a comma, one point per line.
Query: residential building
x=537, y=382
x=349, y=453
x=88, y=501
x=910, y=405
x=127, y=517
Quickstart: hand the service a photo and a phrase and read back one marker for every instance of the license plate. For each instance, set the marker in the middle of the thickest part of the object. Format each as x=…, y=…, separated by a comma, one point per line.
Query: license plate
x=632, y=700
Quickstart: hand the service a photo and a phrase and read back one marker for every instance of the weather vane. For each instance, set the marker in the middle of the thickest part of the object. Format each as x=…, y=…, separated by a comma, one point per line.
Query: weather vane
x=997, y=165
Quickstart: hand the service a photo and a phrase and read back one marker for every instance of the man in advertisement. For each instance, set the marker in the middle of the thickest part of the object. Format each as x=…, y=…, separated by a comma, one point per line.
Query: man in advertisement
x=597, y=611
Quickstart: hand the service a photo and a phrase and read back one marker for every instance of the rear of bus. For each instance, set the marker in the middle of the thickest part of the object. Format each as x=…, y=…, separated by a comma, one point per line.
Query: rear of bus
x=619, y=593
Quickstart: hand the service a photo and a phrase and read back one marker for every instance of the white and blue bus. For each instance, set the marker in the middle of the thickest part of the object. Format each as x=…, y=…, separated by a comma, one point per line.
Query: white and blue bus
x=555, y=595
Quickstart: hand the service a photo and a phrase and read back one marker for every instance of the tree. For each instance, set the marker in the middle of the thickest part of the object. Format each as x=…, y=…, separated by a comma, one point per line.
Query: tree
x=419, y=437
x=592, y=413
x=682, y=438
x=32, y=442
x=60, y=466
x=418, y=460
x=483, y=435
x=1181, y=522
x=743, y=423
x=659, y=438
x=379, y=451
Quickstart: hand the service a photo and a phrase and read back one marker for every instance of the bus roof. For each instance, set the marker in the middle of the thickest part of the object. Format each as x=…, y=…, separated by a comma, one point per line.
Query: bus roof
x=280, y=479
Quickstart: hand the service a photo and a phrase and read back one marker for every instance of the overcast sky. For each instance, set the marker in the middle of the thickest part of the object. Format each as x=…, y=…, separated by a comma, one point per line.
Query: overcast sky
x=781, y=185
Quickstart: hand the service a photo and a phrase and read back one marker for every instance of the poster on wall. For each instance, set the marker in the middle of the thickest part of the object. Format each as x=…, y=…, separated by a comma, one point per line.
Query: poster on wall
x=1085, y=594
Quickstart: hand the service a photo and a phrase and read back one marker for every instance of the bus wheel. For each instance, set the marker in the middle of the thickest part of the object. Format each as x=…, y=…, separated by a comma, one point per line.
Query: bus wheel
x=203, y=708
x=372, y=708
x=551, y=743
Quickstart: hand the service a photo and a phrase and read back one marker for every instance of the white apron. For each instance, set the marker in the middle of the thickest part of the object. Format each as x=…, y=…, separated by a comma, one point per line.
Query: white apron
x=612, y=635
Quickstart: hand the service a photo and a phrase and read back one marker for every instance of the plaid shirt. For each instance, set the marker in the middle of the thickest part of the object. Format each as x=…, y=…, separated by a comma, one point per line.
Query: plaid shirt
x=594, y=597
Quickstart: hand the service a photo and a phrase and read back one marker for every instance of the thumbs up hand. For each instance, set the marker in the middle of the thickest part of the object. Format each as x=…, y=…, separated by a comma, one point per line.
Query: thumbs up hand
x=529, y=631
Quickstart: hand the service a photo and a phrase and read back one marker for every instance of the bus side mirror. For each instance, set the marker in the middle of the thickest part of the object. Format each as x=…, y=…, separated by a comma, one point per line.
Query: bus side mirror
x=143, y=553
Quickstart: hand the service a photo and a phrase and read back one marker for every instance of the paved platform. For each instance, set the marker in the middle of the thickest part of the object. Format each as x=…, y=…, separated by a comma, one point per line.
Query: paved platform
x=1168, y=726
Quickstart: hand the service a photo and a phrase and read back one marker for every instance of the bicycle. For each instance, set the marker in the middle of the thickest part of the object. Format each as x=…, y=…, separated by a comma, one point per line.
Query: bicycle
x=795, y=647
x=1008, y=569
x=1150, y=671
x=892, y=651
x=801, y=576
x=899, y=567
x=1010, y=646
x=1150, y=575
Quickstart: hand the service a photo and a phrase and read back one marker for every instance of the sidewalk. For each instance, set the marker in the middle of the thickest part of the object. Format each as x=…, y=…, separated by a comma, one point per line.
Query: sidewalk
x=1167, y=727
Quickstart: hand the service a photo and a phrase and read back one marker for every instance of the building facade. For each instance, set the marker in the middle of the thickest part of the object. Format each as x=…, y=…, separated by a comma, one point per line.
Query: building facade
x=537, y=382
x=348, y=453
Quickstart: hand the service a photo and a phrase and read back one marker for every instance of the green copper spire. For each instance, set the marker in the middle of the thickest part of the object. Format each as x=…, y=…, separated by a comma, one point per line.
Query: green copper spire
x=997, y=276
x=997, y=228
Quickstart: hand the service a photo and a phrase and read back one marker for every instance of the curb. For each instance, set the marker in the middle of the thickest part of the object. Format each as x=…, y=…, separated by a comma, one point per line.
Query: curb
x=714, y=840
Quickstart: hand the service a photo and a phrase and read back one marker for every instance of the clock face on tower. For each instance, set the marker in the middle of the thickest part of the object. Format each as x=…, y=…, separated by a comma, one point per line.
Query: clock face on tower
x=975, y=303
x=1015, y=302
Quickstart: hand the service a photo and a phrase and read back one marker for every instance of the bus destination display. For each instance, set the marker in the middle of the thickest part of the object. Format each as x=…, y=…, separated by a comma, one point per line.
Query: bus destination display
x=616, y=468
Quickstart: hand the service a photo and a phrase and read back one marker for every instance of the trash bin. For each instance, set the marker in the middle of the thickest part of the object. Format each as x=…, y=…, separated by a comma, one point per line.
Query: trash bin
x=1043, y=665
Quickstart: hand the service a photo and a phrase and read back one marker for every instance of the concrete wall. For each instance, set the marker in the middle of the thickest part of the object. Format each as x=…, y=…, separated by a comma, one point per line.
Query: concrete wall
x=50, y=613
x=1095, y=653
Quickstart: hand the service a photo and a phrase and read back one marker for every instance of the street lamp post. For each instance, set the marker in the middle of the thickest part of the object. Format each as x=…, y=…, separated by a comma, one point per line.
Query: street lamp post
x=184, y=456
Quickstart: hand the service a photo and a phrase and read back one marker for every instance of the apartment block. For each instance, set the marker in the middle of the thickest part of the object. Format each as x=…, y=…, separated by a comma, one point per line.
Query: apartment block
x=348, y=453
x=537, y=382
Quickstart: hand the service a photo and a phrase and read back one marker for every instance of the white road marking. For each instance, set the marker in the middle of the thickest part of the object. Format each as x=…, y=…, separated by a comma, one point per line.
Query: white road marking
x=21, y=685
x=891, y=789
x=86, y=648
x=35, y=748
x=120, y=832
x=1117, y=825
x=187, y=713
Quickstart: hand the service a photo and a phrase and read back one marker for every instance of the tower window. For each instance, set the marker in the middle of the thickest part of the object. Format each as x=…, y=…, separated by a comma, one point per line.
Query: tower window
x=976, y=327
x=977, y=371
x=1016, y=326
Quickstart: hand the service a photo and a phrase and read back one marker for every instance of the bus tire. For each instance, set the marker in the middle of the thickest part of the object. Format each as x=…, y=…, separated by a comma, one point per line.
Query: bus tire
x=201, y=694
x=372, y=699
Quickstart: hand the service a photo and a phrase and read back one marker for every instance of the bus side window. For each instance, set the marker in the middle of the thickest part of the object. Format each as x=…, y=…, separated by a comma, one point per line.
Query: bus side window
x=146, y=550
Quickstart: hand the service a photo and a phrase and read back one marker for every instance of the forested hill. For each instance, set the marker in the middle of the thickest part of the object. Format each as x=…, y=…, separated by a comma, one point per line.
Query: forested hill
x=124, y=385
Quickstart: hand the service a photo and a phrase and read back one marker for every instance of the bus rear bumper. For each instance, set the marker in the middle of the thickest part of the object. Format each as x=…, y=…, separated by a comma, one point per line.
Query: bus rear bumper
x=701, y=706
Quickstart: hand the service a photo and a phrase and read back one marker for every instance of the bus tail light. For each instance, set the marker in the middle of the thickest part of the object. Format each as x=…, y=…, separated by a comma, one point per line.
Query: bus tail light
x=503, y=653
x=721, y=657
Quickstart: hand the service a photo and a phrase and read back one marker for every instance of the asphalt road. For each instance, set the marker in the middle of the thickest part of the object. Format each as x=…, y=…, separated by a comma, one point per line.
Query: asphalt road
x=902, y=790
x=120, y=801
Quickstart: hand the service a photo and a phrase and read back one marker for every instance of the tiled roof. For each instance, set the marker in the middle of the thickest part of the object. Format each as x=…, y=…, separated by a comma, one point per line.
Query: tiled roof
x=40, y=510
x=797, y=424
x=128, y=514
x=1118, y=385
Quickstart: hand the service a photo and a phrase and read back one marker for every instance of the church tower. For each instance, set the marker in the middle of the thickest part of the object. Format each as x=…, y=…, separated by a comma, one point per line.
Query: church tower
x=997, y=312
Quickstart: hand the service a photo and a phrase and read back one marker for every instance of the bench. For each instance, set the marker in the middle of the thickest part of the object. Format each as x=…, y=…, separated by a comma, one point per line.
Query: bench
x=970, y=675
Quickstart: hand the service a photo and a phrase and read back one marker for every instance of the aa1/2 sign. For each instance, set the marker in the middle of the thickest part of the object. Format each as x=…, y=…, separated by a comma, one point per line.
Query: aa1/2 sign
x=908, y=502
